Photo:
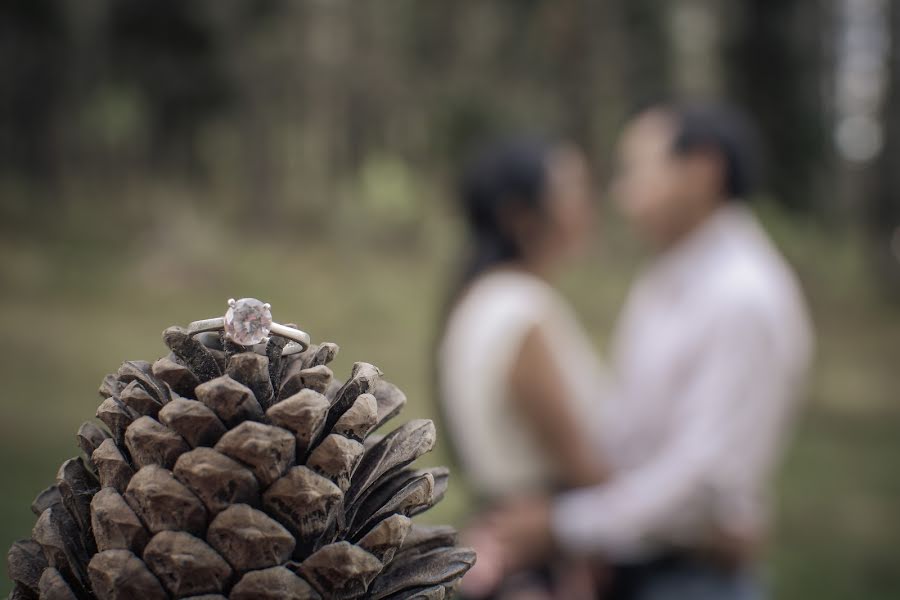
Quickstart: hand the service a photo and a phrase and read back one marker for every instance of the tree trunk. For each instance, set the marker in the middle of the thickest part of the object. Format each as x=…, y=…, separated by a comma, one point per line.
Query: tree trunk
x=883, y=212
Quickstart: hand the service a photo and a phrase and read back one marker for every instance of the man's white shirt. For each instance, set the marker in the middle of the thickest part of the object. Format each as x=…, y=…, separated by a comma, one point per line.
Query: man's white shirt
x=709, y=358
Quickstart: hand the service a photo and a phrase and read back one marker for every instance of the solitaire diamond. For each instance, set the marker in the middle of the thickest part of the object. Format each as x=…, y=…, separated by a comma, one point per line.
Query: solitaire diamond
x=247, y=321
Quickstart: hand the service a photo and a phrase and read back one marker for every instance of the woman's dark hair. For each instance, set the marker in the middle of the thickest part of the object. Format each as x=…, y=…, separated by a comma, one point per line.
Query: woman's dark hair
x=508, y=177
x=725, y=131
x=505, y=178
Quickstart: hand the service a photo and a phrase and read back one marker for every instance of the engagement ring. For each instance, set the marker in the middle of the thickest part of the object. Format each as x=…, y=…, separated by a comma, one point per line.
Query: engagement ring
x=249, y=322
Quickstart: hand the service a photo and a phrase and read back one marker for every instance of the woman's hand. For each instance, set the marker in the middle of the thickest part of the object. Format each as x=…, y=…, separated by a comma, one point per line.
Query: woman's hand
x=523, y=532
x=732, y=550
x=510, y=538
x=486, y=575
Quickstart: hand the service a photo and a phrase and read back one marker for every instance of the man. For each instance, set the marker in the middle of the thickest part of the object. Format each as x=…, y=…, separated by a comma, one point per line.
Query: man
x=710, y=353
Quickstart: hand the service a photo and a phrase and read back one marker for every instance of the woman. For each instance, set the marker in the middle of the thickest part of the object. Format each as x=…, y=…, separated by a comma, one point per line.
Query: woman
x=519, y=381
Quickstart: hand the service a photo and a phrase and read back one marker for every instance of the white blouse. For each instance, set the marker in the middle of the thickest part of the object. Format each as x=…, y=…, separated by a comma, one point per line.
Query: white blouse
x=484, y=335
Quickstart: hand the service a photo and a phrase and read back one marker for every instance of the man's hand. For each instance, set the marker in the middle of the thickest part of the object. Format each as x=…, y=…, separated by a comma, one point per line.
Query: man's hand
x=731, y=549
x=523, y=530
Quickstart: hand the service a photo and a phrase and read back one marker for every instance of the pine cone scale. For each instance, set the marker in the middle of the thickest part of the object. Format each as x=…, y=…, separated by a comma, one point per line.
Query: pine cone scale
x=226, y=474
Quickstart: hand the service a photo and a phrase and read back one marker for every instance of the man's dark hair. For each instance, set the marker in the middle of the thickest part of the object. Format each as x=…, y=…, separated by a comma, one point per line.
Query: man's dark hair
x=725, y=131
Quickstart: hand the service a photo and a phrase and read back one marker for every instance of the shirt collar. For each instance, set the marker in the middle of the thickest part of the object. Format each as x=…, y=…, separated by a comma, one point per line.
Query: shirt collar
x=703, y=245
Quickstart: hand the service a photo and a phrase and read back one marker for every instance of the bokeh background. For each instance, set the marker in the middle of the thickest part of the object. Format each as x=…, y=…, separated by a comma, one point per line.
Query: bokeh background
x=158, y=157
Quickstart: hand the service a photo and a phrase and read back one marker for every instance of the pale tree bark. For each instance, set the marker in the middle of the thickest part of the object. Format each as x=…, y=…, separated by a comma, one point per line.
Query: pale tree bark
x=883, y=212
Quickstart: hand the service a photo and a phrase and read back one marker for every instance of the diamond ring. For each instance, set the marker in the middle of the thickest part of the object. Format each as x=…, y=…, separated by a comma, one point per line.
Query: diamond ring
x=249, y=322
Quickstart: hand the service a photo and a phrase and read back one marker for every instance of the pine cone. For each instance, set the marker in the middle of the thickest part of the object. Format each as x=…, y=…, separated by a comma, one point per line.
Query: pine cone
x=222, y=472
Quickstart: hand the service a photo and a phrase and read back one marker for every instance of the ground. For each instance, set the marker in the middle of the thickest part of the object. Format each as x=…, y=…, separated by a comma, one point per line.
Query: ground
x=73, y=307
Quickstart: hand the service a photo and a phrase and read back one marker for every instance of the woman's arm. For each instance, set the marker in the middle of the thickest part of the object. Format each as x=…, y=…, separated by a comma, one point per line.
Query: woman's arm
x=539, y=395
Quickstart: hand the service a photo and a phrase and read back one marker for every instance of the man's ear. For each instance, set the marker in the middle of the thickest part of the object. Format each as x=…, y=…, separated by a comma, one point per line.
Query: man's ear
x=518, y=223
x=706, y=169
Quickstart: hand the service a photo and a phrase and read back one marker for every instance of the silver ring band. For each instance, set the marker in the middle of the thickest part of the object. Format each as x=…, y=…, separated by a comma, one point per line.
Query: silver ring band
x=298, y=341
x=294, y=348
x=287, y=350
x=205, y=325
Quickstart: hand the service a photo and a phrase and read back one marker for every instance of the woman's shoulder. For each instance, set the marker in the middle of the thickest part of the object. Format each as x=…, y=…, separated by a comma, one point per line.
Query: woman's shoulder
x=501, y=304
x=512, y=286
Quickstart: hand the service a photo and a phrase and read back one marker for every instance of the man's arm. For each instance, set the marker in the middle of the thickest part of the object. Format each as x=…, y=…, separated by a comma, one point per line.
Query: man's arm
x=717, y=410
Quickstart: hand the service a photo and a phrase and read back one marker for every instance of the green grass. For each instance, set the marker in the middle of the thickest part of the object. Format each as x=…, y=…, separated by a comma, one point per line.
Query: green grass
x=74, y=305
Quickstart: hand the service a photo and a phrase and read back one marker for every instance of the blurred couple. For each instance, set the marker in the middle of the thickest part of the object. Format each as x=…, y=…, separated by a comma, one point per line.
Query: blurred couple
x=648, y=478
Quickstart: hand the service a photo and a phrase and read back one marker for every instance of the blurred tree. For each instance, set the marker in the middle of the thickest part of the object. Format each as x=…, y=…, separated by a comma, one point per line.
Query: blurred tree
x=644, y=50
x=168, y=50
x=33, y=61
x=884, y=200
x=288, y=104
x=774, y=67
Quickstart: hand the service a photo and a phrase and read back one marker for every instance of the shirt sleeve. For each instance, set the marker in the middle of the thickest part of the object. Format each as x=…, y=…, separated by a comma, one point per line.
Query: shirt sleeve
x=716, y=409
